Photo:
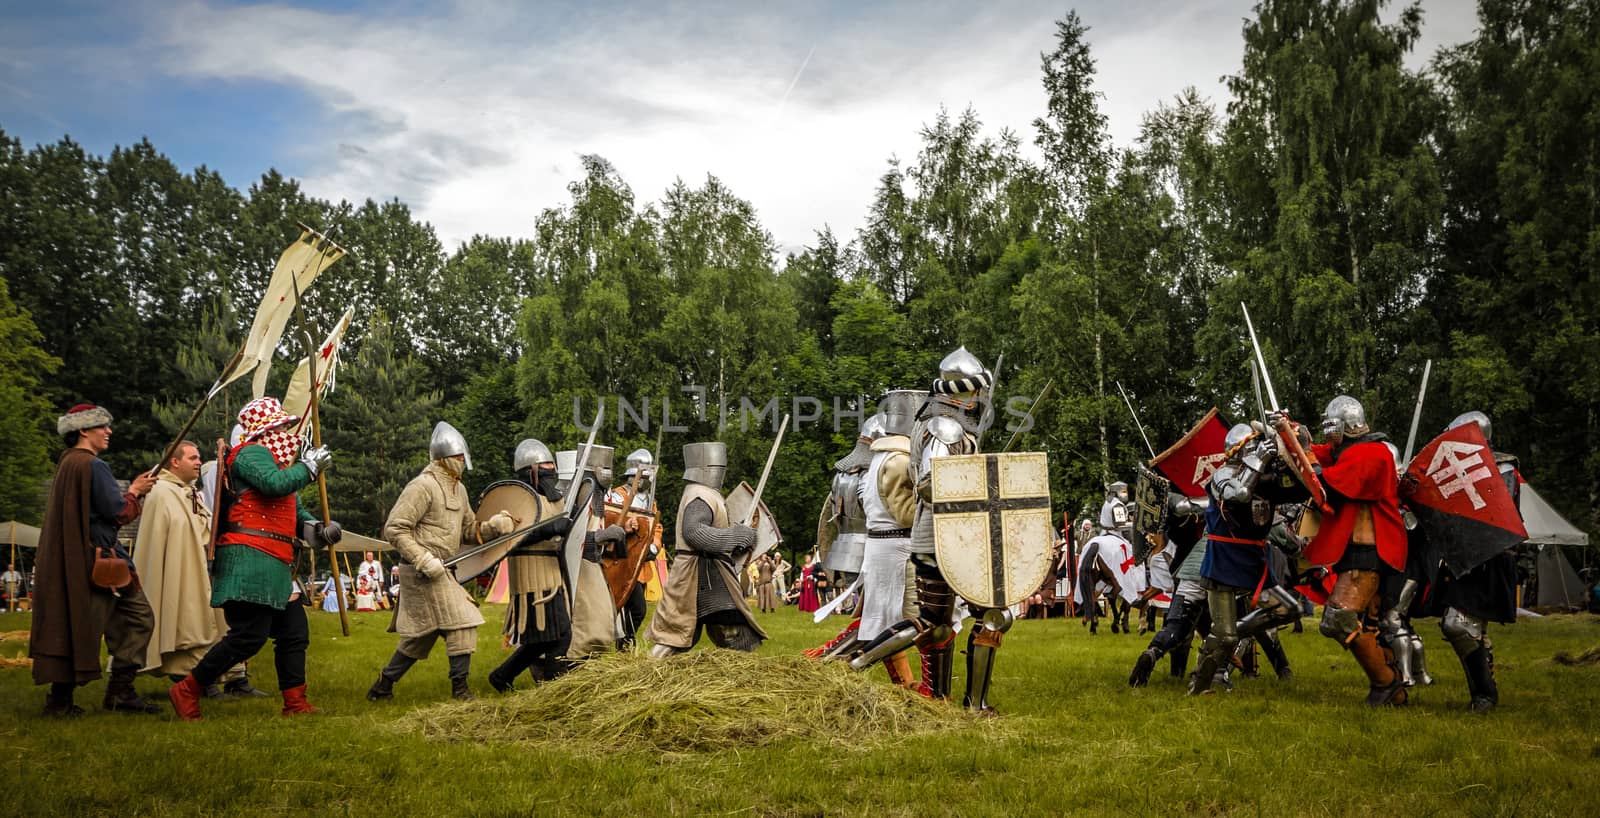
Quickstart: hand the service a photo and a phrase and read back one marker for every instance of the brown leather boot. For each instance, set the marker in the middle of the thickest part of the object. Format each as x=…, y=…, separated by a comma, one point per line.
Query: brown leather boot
x=899, y=668
x=1386, y=685
x=122, y=698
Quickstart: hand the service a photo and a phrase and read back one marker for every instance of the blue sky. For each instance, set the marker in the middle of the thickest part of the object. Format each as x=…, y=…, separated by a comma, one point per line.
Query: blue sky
x=475, y=113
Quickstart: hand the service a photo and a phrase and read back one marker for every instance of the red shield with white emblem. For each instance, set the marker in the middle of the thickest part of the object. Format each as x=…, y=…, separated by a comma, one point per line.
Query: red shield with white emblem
x=1462, y=503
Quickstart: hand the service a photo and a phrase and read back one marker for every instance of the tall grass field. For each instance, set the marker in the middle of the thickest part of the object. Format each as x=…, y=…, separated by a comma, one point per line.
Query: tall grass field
x=1072, y=739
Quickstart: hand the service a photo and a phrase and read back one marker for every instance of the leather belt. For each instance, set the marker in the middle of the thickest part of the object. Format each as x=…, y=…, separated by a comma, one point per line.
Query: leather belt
x=234, y=528
x=889, y=533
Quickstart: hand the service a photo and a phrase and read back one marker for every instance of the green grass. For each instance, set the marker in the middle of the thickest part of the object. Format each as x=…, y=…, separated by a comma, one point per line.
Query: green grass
x=1074, y=740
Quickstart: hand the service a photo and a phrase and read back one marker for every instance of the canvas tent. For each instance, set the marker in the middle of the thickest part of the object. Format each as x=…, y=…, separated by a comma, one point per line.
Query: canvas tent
x=1556, y=584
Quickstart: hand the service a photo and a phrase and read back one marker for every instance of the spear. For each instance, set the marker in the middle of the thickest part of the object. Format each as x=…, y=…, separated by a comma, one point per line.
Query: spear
x=1031, y=407
x=1136, y=422
x=316, y=432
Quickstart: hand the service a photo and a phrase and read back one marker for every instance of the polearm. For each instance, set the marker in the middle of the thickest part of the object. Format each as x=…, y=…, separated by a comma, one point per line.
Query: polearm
x=1136, y=422
x=222, y=379
x=1416, y=415
x=761, y=485
x=1260, y=361
x=316, y=431
x=1031, y=407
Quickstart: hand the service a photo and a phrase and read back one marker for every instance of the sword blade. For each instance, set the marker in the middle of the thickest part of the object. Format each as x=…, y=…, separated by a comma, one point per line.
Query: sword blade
x=1136, y=422
x=772, y=455
x=1260, y=361
x=1416, y=415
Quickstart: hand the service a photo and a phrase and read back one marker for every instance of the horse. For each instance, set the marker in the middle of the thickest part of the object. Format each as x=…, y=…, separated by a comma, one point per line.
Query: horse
x=1107, y=566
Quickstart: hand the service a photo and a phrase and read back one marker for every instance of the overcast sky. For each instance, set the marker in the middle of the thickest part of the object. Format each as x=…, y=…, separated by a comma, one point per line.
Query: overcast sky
x=475, y=113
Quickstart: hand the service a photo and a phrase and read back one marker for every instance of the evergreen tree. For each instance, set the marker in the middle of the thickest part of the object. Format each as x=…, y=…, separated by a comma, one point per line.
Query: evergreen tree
x=27, y=420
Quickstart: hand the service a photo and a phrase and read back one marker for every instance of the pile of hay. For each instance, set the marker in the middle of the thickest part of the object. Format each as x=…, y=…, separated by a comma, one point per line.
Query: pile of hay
x=704, y=700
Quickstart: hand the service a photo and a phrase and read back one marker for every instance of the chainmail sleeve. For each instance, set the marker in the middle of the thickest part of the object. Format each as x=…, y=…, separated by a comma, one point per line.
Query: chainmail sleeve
x=702, y=537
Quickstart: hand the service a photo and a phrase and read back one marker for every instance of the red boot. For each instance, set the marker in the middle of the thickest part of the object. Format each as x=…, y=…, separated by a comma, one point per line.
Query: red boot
x=295, y=704
x=185, y=696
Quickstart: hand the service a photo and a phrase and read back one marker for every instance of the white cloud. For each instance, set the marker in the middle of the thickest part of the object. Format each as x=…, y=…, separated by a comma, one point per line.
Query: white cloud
x=476, y=115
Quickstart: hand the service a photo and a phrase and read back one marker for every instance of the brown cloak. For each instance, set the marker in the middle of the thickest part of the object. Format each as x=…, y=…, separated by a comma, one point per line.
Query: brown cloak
x=65, y=639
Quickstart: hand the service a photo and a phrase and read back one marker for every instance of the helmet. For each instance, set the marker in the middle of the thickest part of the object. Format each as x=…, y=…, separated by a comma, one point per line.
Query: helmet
x=705, y=463
x=599, y=463
x=566, y=463
x=1118, y=489
x=1344, y=416
x=1472, y=417
x=447, y=442
x=637, y=459
x=874, y=428
x=530, y=453
x=961, y=373
x=1236, y=435
x=898, y=409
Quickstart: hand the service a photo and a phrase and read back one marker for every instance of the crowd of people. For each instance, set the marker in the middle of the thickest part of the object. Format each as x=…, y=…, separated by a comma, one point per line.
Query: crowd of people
x=212, y=574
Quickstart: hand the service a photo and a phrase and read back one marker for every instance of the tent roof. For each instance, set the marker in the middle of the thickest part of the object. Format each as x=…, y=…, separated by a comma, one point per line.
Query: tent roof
x=22, y=534
x=1544, y=525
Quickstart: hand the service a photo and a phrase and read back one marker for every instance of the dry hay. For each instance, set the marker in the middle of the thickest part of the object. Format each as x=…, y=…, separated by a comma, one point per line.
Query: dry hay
x=8, y=662
x=705, y=700
x=19, y=636
x=1588, y=657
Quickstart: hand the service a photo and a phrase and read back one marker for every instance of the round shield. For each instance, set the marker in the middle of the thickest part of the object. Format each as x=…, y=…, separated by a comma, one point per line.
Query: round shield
x=511, y=496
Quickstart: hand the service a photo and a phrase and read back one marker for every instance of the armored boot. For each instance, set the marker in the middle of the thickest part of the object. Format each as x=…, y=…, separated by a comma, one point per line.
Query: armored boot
x=1213, y=658
x=1386, y=685
x=185, y=696
x=982, y=645
x=383, y=689
x=295, y=704
x=460, y=668
x=1143, y=666
x=120, y=695
x=1419, y=661
x=58, y=702
x=940, y=665
x=1479, y=666
x=837, y=645
x=1273, y=650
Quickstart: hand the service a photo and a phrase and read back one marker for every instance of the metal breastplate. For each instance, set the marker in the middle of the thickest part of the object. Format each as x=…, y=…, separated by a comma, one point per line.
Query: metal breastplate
x=849, y=547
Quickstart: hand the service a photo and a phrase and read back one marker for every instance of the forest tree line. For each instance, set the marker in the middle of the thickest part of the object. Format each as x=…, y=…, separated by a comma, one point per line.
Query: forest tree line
x=1372, y=216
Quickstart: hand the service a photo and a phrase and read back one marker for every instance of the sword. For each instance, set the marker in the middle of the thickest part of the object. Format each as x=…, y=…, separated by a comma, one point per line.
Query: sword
x=1260, y=361
x=994, y=389
x=1031, y=407
x=1255, y=380
x=772, y=454
x=1135, y=420
x=1416, y=416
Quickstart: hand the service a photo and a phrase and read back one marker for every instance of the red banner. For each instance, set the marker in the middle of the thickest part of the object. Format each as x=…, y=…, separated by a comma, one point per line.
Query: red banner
x=1190, y=461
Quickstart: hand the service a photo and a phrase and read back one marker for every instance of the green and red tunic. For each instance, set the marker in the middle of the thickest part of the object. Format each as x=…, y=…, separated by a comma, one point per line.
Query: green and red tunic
x=255, y=550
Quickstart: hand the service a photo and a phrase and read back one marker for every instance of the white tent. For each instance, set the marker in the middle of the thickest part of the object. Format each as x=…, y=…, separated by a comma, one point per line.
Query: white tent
x=1558, y=585
x=1545, y=526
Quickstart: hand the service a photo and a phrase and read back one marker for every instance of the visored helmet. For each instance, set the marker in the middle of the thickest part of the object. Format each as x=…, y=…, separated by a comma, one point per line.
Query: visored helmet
x=1344, y=417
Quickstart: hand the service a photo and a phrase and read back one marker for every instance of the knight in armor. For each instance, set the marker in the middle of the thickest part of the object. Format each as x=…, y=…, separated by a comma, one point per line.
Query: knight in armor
x=1116, y=513
x=428, y=524
x=594, y=616
x=633, y=503
x=538, y=613
x=252, y=576
x=1363, y=541
x=889, y=501
x=842, y=527
x=1185, y=530
x=1244, y=493
x=952, y=416
x=702, y=591
x=1467, y=604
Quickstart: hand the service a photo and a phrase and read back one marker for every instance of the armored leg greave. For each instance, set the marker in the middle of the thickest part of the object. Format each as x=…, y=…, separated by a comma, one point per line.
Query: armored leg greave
x=1419, y=660
x=1354, y=597
x=1216, y=651
x=839, y=646
x=930, y=630
x=1468, y=635
x=1275, y=608
x=982, y=645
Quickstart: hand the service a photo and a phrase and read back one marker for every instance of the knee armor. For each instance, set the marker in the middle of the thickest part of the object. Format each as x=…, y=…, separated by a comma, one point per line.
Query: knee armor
x=1339, y=623
x=1464, y=632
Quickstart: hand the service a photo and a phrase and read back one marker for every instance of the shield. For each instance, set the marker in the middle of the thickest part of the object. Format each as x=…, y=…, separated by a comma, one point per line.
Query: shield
x=1190, y=462
x=1150, y=492
x=1300, y=464
x=1462, y=504
x=767, y=534
x=991, y=525
x=622, y=572
x=511, y=496
x=583, y=517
